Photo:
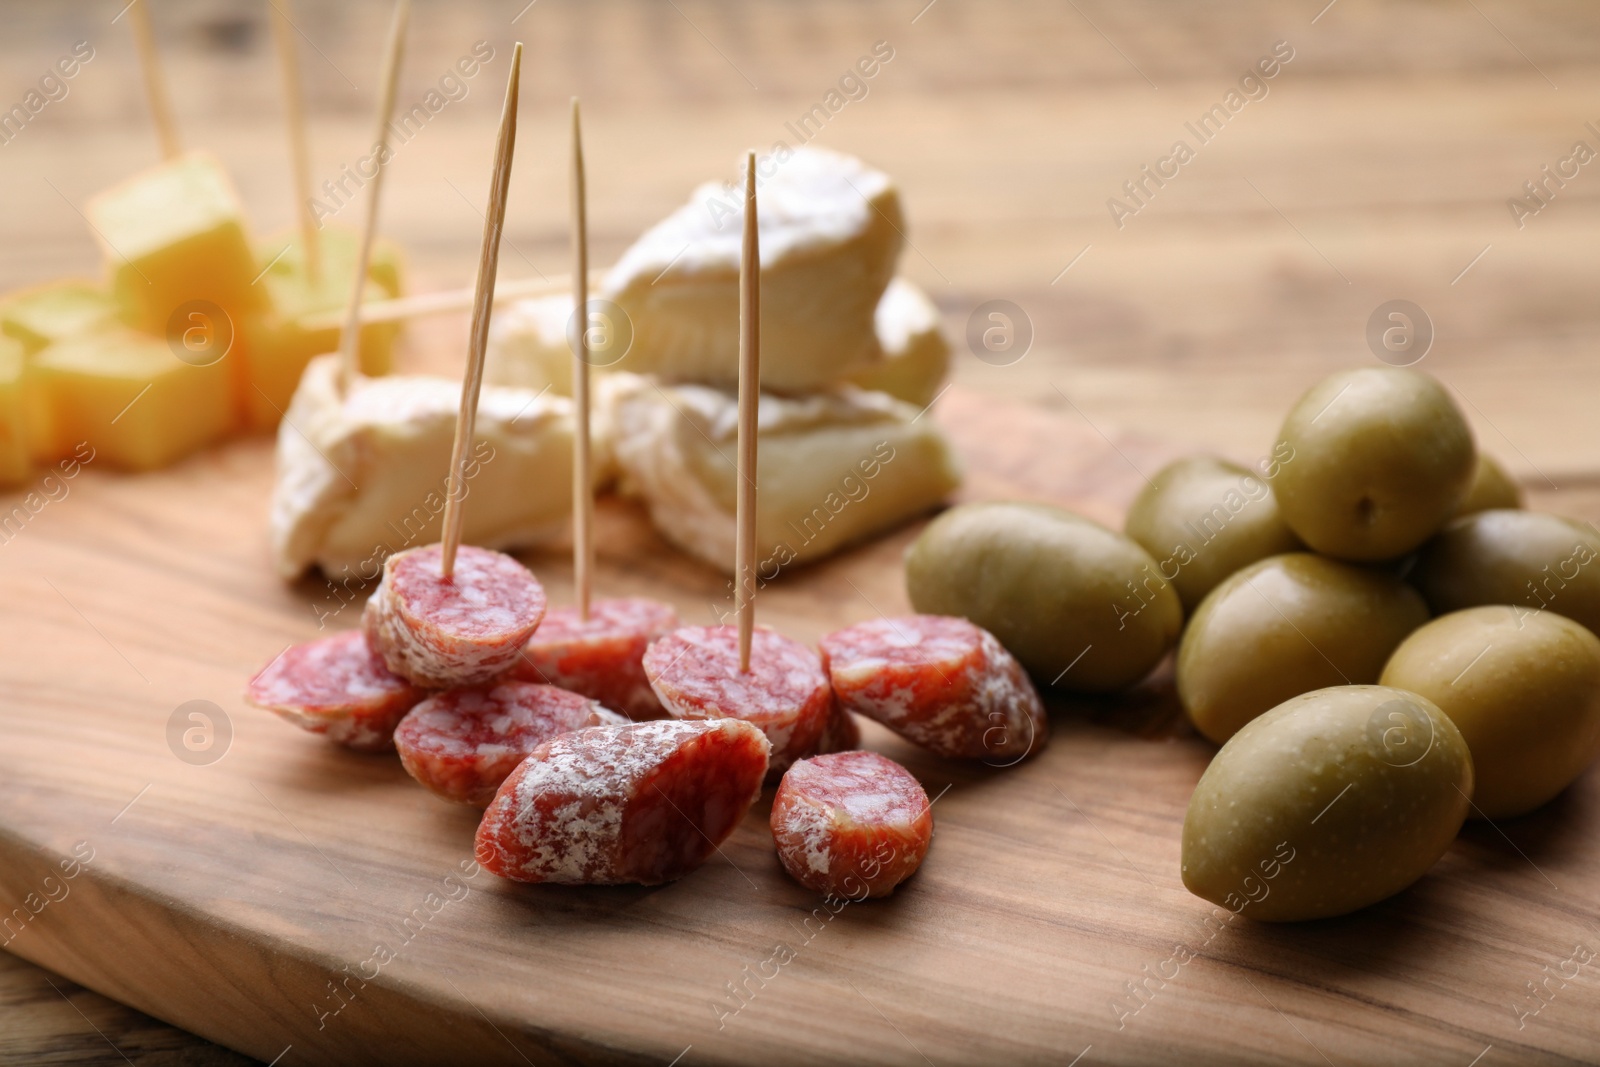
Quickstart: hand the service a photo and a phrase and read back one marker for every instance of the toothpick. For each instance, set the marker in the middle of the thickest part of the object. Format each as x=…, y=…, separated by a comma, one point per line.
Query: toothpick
x=299, y=150
x=417, y=305
x=155, y=86
x=582, y=480
x=488, y=261
x=749, y=401
x=350, y=335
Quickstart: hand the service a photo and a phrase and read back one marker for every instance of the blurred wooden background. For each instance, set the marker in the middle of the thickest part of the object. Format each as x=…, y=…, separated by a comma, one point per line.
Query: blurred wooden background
x=1378, y=166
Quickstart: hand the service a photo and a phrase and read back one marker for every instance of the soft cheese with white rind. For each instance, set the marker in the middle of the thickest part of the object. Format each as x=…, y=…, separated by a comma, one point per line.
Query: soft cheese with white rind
x=834, y=468
x=831, y=231
x=528, y=347
x=361, y=475
x=916, y=355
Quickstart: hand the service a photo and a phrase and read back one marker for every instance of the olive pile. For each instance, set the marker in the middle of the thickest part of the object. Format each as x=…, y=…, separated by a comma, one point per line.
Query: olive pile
x=1357, y=735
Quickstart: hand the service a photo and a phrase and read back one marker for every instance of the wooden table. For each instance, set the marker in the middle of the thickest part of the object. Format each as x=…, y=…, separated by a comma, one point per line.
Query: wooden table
x=1378, y=167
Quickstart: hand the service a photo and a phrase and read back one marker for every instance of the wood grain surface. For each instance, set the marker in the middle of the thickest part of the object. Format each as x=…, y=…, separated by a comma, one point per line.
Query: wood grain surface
x=247, y=899
x=1378, y=167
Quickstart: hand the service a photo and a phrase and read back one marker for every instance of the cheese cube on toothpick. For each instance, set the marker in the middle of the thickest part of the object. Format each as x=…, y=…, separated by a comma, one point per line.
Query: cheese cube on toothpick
x=173, y=235
x=283, y=254
x=279, y=343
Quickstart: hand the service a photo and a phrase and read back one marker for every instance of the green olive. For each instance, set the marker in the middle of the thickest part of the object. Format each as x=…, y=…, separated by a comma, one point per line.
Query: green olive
x=1285, y=626
x=1203, y=518
x=1329, y=802
x=1082, y=607
x=1491, y=487
x=1528, y=558
x=1522, y=686
x=1377, y=459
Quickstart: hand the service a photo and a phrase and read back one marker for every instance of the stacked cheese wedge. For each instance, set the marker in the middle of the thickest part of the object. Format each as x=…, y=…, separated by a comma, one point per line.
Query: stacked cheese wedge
x=197, y=333
x=850, y=358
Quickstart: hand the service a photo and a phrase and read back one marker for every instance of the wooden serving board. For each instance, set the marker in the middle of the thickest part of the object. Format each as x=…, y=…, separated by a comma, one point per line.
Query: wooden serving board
x=1048, y=924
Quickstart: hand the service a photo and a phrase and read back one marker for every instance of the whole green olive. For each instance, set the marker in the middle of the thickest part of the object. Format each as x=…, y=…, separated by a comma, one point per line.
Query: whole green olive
x=1528, y=558
x=1523, y=687
x=1381, y=458
x=1203, y=518
x=1082, y=607
x=1285, y=626
x=1491, y=487
x=1329, y=802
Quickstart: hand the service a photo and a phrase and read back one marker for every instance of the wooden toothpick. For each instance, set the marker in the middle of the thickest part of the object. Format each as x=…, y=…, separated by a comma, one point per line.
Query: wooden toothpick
x=299, y=148
x=350, y=335
x=417, y=305
x=478, y=343
x=582, y=480
x=155, y=86
x=749, y=401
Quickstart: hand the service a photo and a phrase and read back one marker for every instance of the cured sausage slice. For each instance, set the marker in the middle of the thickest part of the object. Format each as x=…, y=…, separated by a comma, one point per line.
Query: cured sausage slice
x=462, y=743
x=336, y=686
x=851, y=824
x=603, y=656
x=644, y=803
x=695, y=672
x=463, y=630
x=941, y=682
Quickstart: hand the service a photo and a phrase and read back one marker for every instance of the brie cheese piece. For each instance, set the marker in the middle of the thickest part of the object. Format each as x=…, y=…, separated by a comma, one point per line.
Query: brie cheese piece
x=831, y=230
x=916, y=356
x=528, y=346
x=364, y=475
x=833, y=468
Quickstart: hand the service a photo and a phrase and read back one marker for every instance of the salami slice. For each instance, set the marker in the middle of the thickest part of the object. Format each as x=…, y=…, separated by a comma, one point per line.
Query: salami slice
x=601, y=657
x=463, y=630
x=644, y=803
x=940, y=682
x=695, y=672
x=462, y=743
x=336, y=686
x=851, y=824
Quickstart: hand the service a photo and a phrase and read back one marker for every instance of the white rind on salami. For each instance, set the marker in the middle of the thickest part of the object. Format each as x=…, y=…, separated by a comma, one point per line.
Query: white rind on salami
x=941, y=682
x=851, y=824
x=336, y=686
x=695, y=672
x=462, y=744
x=465, y=630
x=644, y=803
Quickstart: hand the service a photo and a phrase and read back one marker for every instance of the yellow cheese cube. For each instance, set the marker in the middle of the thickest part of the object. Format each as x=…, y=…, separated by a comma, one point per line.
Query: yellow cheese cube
x=48, y=313
x=282, y=254
x=174, y=235
x=134, y=402
x=39, y=317
x=46, y=442
x=277, y=345
x=14, y=449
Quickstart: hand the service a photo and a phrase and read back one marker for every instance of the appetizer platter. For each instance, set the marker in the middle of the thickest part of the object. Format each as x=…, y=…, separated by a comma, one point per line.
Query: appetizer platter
x=699, y=679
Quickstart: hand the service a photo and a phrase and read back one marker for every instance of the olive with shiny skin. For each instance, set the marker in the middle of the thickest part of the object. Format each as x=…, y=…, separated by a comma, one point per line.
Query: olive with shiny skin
x=1328, y=803
x=1203, y=518
x=1382, y=457
x=1523, y=687
x=1285, y=626
x=1082, y=607
x=1491, y=488
x=1529, y=558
